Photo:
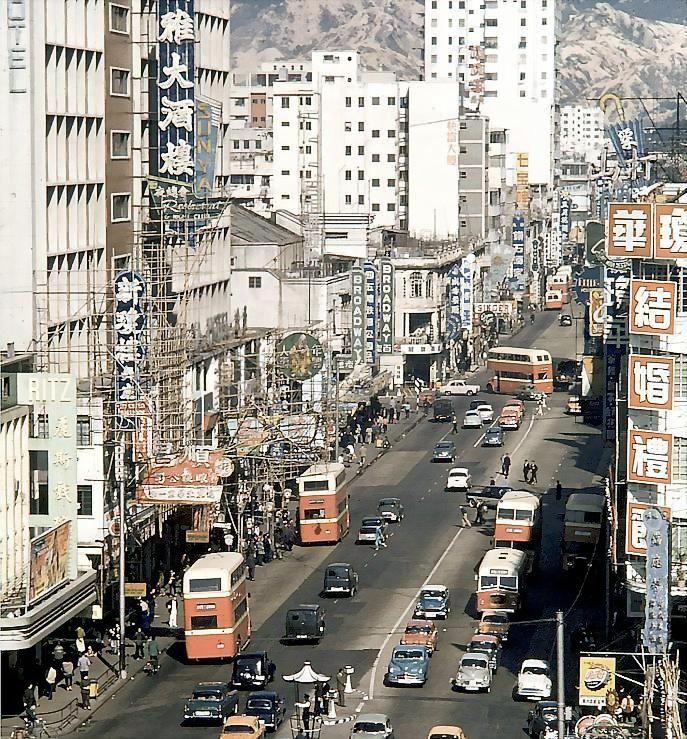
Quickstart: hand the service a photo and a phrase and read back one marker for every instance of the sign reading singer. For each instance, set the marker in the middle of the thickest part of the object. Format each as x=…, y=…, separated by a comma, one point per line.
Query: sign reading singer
x=652, y=307
x=650, y=457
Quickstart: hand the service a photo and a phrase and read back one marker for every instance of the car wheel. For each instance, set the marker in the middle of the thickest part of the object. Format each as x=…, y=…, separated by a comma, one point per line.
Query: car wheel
x=470, y=392
x=489, y=689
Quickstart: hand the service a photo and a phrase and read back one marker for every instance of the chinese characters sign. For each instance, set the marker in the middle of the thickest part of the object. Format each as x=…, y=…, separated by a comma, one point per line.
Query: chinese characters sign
x=358, y=315
x=453, y=319
x=299, y=356
x=466, y=291
x=129, y=347
x=452, y=142
x=386, y=306
x=628, y=140
x=564, y=218
x=370, y=313
x=652, y=307
x=650, y=381
x=656, y=608
x=635, y=529
x=650, y=457
x=630, y=233
x=671, y=232
x=519, y=249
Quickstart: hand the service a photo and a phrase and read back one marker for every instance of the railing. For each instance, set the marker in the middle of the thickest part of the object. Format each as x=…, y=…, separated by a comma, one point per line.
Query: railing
x=62, y=717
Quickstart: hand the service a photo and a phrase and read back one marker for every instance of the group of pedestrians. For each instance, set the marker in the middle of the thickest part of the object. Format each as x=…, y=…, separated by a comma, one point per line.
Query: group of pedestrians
x=261, y=549
x=529, y=471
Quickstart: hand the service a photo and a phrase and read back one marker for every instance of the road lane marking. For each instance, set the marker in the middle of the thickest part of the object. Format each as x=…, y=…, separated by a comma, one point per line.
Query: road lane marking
x=404, y=615
x=522, y=441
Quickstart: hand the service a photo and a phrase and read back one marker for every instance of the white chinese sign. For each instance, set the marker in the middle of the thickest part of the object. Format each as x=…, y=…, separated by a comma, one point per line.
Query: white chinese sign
x=650, y=382
x=652, y=307
x=630, y=231
x=671, y=232
x=650, y=456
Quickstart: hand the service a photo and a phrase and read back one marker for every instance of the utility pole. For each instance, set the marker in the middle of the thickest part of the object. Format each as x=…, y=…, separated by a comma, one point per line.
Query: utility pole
x=560, y=674
x=120, y=476
x=335, y=363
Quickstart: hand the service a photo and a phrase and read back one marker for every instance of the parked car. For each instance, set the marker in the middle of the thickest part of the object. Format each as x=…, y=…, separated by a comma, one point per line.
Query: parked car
x=409, y=665
x=490, y=495
x=373, y=725
x=446, y=732
x=304, y=623
x=529, y=392
x=368, y=534
x=340, y=578
x=495, y=623
x=473, y=674
x=459, y=387
x=486, y=412
x=488, y=645
x=565, y=319
x=544, y=716
x=565, y=374
x=443, y=409
x=434, y=601
x=421, y=632
x=252, y=670
x=212, y=701
x=245, y=727
x=475, y=403
x=493, y=436
x=444, y=451
x=268, y=707
x=459, y=478
x=391, y=509
x=510, y=419
x=534, y=680
x=472, y=420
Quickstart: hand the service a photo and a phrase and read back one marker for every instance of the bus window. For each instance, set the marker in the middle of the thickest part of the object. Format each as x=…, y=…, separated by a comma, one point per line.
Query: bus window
x=240, y=609
x=523, y=516
x=203, y=622
x=236, y=575
x=583, y=516
x=506, y=513
x=313, y=513
x=315, y=486
x=488, y=581
x=205, y=585
x=509, y=583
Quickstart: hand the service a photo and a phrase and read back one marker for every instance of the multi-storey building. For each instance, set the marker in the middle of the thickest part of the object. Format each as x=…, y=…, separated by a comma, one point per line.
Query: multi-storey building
x=503, y=52
x=582, y=132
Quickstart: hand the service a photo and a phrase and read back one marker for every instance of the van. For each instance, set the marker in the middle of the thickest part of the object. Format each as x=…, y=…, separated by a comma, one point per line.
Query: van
x=304, y=623
x=340, y=578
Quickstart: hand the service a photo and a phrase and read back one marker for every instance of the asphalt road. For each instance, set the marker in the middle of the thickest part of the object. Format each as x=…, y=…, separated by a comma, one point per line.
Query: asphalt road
x=427, y=545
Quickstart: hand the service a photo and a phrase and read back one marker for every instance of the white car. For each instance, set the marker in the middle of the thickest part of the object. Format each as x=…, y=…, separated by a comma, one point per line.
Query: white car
x=376, y=725
x=534, y=682
x=459, y=479
x=472, y=420
x=486, y=412
x=459, y=387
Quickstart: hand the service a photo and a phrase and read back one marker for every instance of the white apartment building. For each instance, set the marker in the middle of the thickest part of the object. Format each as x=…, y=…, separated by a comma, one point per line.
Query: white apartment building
x=582, y=132
x=503, y=52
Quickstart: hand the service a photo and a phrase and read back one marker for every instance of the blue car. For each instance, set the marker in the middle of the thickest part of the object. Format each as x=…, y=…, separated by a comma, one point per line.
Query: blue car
x=493, y=436
x=408, y=665
x=444, y=451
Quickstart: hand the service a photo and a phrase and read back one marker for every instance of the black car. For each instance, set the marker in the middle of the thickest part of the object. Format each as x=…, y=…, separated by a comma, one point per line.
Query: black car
x=543, y=716
x=528, y=392
x=340, y=578
x=565, y=319
x=565, y=374
x=252, y=670
x=489, y=495
x=211, y=702
x=443, y=409
x=475, y=403
x=493, y=436
x=268, y=706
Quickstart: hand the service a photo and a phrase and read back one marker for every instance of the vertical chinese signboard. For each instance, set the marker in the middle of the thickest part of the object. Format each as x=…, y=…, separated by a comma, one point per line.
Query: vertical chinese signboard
x=635, y=528
x=628, y=139
x=657, y=603
x=671, y=232
x=466, y=292
x=564, y=218
x=370, y=272
x=453, y=319
x=358, y=315
x=652, y=307
x=650, y=457
x=452, y=142
x=650, y=382
x=519, y=251
x=630, y=230
x=386, y=307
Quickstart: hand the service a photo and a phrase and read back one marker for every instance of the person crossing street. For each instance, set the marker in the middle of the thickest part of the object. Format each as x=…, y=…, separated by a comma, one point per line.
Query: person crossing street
x=505, y=465
x=454, y=423
x=465, y=521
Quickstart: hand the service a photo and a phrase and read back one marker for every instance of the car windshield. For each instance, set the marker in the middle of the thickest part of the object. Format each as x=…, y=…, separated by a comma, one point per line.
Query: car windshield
x=206, y=695
x=371, y=521
x=535, y=670
x=246, y=664
x=238, y=729
x=260, y=703
x=458, y=473
x=418, y=630
x=495, y=618
x=493, y=432
x=444, y=445
x=472, y=414
x=337, y=572
x=431, y=601
x=549, y=712
x=480, y=646
x=473, y=662
x=443, y=736
x=433, y=593
x=368, y=529
x=367, y=727
x=408, y=654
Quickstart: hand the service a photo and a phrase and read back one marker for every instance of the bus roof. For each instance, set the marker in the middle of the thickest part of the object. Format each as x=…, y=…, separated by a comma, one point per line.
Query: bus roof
x=210, y=563
x=585, y=502
x=326, y=468
x=520, y=497
x=502, y=561
x=533, y=354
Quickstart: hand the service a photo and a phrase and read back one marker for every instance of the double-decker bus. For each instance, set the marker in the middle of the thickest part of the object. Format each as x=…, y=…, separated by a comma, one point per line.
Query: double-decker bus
x=323, y=504
x=553, y=298
x=518, y=521
x=501, y=580
x=583, y=521
x=216, y=618
x=512, y=368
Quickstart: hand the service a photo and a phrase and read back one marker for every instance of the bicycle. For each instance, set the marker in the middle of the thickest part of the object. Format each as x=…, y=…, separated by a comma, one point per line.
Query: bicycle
x=32, y=729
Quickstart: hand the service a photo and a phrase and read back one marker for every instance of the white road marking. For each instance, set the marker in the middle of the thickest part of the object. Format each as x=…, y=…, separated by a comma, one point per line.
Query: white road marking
x=404, y=615
x=359, y=707
x=522, y=441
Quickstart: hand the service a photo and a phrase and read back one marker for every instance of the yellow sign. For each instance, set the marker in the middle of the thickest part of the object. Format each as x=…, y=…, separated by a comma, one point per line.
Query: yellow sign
x=135, y=590
x=597, y=678
x=197, y=537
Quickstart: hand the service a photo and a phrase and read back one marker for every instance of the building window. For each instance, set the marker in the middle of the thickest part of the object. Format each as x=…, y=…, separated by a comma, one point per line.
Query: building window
x=120, y=144
x=391, y=101
x=286, y=147
x=284, y=101
x=84, y=496
x=119, y=82
x=83, y=431
x=349, y=151
x=41, y=428
x=38, y=465
x=391, y=183
x=361, y=102
x=361, y=200
x=375, y=101
x=463, y=174
x=429, y=290
x=375, y=157
x=361, y=150
x=375, y=207
x=361, y=175
x=434, y=41
x=119, y=19
x=121, y=207
x=391, y=206
x=348, y=174
x=375, y=133
x=348, y=102
x=361, y=126
x=255, y=282
x=375, y=182
x=286, y=123
x=285, y=172
x=236, y=144
x=246, y=143
x=348, y=199
x=390, y=157
x=416, y=284
x=391, y=133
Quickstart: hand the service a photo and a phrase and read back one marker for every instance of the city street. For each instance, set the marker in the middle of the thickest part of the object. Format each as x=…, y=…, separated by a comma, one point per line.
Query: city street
x=428, y=546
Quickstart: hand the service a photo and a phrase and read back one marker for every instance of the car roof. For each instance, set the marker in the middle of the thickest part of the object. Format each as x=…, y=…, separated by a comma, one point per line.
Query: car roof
x=372, y=717
x=409, y=646
x=535, y=663
x=374, y=516
x=494, y=429
x=241, y=720
x=459, y=471
x=434, y=587
x=389, y=500
x=255, y=655
x=440, y=729
x=338, y=564
x=263, y=694
x=485, y=637
x=484, y=405
x=473, y=655
x=472, y=411
x=419, y=622
x=210, y=685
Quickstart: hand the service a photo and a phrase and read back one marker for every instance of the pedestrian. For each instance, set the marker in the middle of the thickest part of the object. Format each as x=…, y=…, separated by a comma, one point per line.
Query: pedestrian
x=80, y=641
x=306, y=709
x=341, y=686
x=627, y=706
x=68, y=672
x=454, y=423
x=160, y=581
x=259, y=551
x=250, y=563
x=363, y=456
x=559, y=490
x=139, y=641
x=526, y=470
x=153, y=652
x=29, y=697
x=406, y=409
x=114, y=639
x=85, y=695
x=58, y=653
x=172, y=610
x=465, y=521
x=50, y=680
x=84, y=667
x=358, y=434
x=278, y=541
x=505, y=465
x=379, y=539
x=368, y=435
x=533, y=472
x=492, y=482
x=481, y=515
x=267, y=544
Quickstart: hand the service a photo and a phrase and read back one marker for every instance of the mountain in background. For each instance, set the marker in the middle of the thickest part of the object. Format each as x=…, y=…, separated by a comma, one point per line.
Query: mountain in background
x=638, y=48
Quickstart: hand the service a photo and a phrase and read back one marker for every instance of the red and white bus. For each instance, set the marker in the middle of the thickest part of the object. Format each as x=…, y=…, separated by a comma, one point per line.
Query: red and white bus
x=501, y=580
x=518, y=521
x=553, y=298
x=323, y=504
x=216, y=618
x=512, y=368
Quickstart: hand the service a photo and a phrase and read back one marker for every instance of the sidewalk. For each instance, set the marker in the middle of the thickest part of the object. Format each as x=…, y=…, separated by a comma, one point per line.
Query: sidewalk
x=278, y=579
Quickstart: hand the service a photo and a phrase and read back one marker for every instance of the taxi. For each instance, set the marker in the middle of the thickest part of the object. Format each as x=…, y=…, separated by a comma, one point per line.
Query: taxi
x=421, y=632
x=494, y=623
x=446, y=732
x=245, y=727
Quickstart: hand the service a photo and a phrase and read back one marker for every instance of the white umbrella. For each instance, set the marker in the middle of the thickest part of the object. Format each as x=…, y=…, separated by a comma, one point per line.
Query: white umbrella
x=306, y=676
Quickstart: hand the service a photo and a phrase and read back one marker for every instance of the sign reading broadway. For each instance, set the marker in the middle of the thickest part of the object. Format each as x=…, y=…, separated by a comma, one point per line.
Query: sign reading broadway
x=358, y=315
x=386, y=307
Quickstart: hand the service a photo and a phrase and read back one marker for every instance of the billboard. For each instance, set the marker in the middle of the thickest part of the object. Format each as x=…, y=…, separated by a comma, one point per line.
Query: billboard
x=652, y=307
x=208, y=121
x=657, y=601
x=386, y=307
x=628, y=139
x=358, y=315
x=49, y=561
x=597, y=677
x=650, y=457
x=519, y=251
x=670, y=238
x=466, y=291
x=370, y=313
x=454, y=298
x=596, y=312
x=630, y=232
x=635, y=528
x=650, y=382
x=299, y=356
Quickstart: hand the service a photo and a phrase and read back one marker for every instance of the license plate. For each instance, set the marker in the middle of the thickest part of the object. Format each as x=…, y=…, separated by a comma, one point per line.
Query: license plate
x=337, y=590
x=202, y=713
x=471, y=687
